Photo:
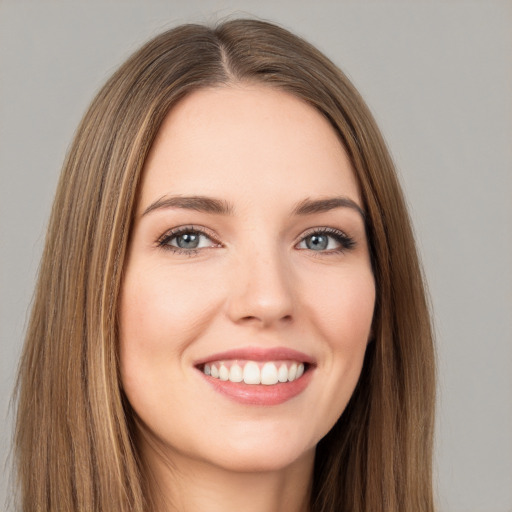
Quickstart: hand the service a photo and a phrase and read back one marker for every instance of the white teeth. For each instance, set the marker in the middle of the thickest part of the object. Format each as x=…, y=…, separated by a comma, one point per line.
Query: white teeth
x=292, y=372
x=249, y=372
x=252, y=373
x=269, y=374
x=282, y=374
x=236, y=374
x=223, y=373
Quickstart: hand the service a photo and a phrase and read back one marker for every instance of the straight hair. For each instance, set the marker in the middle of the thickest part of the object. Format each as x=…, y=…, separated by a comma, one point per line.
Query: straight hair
x=75, y=439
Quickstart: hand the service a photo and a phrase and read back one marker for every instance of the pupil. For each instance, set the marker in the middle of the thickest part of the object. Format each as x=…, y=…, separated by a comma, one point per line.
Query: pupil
x=317, y=242
x=188, y=241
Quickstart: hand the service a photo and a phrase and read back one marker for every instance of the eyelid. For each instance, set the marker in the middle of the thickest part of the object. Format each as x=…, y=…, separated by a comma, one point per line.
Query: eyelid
x=322, y=229
x=345, y=241
x=174, y=232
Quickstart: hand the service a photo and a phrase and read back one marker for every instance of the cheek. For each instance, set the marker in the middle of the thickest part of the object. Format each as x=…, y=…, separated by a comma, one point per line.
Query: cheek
x=343, y=315
x=352, y=329
x=160, y=315
x=343, y=309
x=162, y=310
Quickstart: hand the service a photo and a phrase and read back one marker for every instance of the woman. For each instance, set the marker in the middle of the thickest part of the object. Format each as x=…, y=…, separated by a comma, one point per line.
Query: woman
x=230, y=311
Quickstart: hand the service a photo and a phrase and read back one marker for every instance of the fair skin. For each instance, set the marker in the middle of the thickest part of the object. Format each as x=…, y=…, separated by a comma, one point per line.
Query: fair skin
x=259, y=284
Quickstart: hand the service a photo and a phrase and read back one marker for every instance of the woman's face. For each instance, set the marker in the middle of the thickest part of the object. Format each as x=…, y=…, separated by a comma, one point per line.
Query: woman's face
x=248, y=261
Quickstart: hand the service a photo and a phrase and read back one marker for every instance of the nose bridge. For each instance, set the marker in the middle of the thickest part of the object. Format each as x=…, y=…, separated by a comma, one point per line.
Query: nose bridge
x=262, y=286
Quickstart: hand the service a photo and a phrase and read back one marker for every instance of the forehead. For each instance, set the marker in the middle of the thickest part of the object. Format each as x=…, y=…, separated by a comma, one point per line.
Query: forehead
x=249, y=141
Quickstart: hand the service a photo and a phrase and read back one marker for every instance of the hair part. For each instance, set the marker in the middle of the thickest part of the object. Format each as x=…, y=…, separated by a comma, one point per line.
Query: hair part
x=75, y=438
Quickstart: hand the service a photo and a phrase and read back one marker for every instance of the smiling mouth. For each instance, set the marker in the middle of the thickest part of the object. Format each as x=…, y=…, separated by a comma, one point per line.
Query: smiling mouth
x=267, y=373
x=257, y=375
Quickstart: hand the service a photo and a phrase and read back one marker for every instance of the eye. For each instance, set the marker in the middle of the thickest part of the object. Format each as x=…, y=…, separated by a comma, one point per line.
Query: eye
x=327, y=240
x=186, y=240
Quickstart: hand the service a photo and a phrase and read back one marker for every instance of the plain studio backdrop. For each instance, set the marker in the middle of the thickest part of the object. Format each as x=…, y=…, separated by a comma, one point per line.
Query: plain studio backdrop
x=438, y=78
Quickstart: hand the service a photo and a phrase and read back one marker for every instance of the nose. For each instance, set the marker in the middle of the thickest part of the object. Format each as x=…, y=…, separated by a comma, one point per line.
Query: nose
x=261, y=290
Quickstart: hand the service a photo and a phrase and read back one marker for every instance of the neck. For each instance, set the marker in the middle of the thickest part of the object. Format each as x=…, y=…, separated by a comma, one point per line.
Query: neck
x=180, y=484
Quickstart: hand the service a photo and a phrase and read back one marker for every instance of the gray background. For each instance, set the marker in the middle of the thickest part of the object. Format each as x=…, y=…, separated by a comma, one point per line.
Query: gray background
x=437, y=76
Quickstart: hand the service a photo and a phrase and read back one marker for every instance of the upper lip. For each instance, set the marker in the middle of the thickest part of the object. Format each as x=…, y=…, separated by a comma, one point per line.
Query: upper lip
x=258, y=354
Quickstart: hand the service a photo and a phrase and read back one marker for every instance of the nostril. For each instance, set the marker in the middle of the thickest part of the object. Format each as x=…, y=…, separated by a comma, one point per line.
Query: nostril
x=264, y=299
x=265, y=318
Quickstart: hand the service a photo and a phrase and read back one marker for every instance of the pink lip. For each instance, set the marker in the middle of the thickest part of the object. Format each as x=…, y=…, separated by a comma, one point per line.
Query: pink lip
x=251, y=394
x=259, y=354
x=261, y=394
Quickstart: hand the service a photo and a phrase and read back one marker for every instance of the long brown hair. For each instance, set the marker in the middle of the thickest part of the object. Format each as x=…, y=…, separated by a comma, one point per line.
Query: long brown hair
x=74, y=439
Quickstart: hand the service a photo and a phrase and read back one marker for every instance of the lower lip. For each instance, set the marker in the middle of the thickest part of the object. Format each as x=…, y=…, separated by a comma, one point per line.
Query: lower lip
x=260, y=394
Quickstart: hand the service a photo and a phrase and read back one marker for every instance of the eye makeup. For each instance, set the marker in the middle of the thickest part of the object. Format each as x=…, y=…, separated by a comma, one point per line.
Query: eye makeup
x=313, y=238
x=164, y=242
x=344, y=241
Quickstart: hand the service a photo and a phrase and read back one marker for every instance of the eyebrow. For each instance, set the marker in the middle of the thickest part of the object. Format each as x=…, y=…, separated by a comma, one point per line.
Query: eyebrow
x=309, y=206
x=206, y=204
x=198, y=203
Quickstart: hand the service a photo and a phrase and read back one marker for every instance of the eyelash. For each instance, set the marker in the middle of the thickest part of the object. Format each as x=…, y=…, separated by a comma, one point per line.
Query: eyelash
x=346, y=242
x=163, y=241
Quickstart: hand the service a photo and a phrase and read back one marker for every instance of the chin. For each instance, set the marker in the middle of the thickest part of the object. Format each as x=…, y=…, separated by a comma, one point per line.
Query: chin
x=259, y=453
x=260, y=461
